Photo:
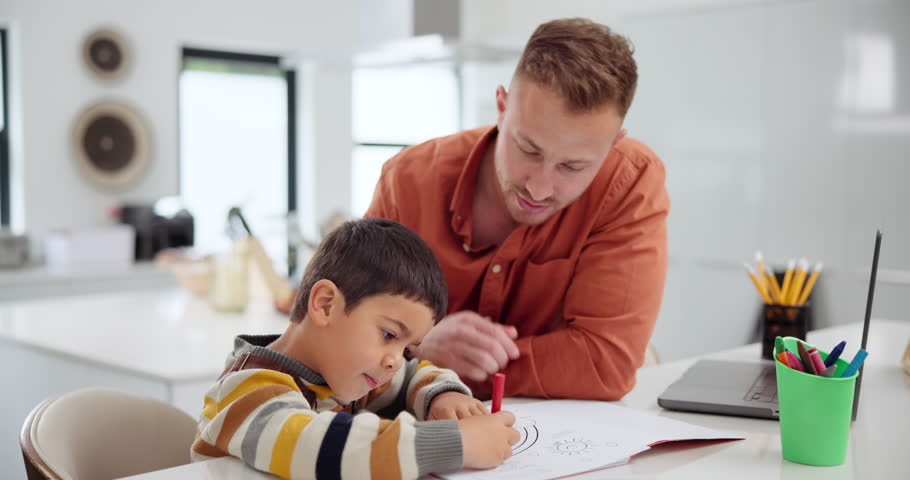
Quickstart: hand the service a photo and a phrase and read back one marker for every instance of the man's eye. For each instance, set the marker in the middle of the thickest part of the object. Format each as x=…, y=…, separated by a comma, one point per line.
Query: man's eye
x=408, y=354
x=388, y=335
x=570, y=168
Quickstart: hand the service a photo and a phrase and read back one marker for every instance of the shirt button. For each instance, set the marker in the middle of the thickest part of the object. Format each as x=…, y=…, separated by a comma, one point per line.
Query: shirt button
x=466, y=247
x=457, y=217
x=497, y=268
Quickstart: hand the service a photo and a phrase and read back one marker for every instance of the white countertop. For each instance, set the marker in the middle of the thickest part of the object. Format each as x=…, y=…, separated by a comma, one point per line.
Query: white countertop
x=877, y=444
x=165, y=334
x=42, y=274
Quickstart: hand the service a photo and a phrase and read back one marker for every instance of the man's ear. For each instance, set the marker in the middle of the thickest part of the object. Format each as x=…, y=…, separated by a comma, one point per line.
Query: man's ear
x=501, y=96
x=324, y=299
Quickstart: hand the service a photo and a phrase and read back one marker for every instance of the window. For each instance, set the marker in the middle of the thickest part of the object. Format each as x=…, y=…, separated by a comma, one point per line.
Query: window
x=4, y=134
x=237, y=146
x=394, y=107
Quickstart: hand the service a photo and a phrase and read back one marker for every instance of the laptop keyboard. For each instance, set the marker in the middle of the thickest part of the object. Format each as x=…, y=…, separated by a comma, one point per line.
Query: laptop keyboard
x=764, y=390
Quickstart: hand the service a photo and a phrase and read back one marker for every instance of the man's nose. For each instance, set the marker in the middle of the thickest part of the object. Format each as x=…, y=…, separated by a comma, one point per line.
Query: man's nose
x=539, y=184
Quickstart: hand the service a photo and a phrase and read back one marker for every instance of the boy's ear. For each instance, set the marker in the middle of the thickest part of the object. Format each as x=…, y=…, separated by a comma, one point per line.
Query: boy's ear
x=324, y=298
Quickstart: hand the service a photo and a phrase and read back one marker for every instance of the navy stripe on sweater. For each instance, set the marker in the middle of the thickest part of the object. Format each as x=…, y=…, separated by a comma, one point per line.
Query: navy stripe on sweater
x=328, y=463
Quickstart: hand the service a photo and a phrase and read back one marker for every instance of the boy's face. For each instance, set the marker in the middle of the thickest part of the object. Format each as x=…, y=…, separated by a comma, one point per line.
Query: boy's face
x=365, y=347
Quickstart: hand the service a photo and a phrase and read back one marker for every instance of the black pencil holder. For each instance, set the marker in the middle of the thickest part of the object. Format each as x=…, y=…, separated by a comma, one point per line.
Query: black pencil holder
x=783, y=321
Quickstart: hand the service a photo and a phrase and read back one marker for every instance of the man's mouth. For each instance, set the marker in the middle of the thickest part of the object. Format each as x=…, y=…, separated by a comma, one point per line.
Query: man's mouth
x=530, y=206
x=371, y=381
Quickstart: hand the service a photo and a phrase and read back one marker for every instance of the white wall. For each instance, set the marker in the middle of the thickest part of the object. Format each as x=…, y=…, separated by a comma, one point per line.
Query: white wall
x=52, y=86
x=753, y=108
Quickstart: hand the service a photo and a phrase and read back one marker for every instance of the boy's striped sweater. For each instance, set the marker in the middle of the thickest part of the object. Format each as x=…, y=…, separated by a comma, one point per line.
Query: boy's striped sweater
x=280, y=417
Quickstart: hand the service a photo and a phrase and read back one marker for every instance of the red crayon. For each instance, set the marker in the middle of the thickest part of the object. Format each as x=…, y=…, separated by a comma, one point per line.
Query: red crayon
x=499, y=385
x=794, y=362
x=817, y=361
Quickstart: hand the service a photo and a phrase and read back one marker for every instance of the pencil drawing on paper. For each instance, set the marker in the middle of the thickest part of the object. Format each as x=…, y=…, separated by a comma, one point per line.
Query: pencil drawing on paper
x=527, y=435
x=558, y=438
x=572, y=446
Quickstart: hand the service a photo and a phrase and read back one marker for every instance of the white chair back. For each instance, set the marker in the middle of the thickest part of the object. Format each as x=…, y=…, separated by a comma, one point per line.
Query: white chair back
x=104, y=434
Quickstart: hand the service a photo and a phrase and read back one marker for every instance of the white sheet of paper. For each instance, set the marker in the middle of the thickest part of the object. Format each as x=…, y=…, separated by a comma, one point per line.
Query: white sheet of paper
x=567, y=437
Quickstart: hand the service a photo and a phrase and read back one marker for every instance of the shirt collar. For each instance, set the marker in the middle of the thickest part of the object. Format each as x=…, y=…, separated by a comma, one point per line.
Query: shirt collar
x=463, y=197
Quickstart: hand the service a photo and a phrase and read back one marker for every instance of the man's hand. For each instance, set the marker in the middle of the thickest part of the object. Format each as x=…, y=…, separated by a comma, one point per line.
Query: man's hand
x=471, y=345
x=455, y=405
x=487, y=440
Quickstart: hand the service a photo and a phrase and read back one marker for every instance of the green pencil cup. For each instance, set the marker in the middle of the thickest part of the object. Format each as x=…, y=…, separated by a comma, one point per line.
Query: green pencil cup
x=815, y=412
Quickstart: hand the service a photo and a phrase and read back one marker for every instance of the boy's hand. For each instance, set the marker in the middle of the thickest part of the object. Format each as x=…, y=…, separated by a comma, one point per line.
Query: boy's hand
x=455, y=405
x=487, y=440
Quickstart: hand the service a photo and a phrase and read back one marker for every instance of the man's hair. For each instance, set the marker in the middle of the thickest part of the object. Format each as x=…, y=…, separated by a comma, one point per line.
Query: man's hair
x=373, y=257
x=588, y=64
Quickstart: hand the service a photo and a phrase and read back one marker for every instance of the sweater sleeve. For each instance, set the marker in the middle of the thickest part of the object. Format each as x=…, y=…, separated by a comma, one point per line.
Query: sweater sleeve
x=261, y=417
x=412, y=389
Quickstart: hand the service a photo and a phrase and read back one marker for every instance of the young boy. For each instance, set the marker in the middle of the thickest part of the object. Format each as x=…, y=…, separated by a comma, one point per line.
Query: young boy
x=286, y=404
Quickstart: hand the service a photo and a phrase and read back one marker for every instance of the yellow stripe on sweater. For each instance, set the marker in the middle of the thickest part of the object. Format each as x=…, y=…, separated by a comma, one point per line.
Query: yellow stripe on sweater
x=384, y=452
x=322, y=392
x=257, y=380
x=283, y=451
x=422, y=383
x=242, y=408
x=424, y=363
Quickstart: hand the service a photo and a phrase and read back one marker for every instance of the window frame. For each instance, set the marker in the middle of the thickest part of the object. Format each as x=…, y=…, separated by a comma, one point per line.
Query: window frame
x=458, y=74
x=5, y=183
x=290, y=77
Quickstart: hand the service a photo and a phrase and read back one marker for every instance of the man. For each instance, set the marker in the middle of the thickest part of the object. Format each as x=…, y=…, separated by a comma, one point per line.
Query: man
x=550, y=227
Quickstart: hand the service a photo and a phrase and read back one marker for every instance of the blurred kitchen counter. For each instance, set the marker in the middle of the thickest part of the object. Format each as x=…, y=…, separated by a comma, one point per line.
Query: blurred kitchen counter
x=161, y=342
x=32, y=282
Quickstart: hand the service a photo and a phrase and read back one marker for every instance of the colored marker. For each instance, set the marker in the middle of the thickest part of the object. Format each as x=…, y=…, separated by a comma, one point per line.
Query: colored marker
x=855, y=364
x=794, y=362
x=829, y=372
x=817, y=362
x=499, y=386
x=835, y=353
x=782, y=358
x=804, y=356
x=779, y=346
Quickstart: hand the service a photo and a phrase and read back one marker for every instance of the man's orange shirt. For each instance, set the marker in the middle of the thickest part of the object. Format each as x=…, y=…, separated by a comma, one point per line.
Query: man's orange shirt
x=583, y=288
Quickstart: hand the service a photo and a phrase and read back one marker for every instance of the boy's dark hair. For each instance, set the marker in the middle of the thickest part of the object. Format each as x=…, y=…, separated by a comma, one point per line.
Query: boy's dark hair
x=373, y=257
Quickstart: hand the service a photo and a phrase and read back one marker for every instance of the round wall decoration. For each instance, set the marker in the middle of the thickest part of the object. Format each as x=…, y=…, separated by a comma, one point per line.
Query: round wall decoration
x=111, y=143
x=106, y=53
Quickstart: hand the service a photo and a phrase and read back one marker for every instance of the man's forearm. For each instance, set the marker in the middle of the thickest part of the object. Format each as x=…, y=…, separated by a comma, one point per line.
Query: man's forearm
x=573, y=363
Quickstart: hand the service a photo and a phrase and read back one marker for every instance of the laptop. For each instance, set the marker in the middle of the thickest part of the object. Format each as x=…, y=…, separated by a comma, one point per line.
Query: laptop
x=746, y=389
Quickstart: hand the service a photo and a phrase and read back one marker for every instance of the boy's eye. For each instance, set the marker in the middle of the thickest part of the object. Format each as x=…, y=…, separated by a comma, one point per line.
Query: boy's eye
x=570, y=168
x=408, y=354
